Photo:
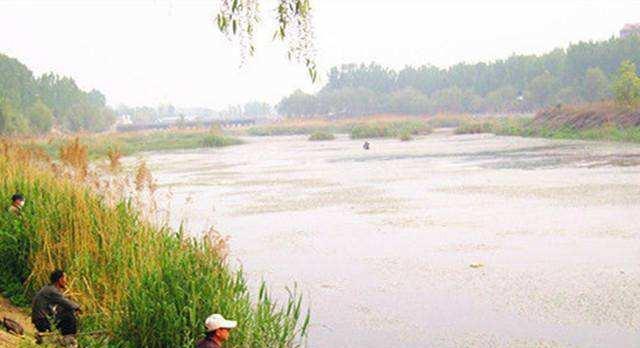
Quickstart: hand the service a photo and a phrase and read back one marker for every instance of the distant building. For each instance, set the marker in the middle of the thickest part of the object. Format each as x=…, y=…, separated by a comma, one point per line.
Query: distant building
x=630, y=29
x=124, y=119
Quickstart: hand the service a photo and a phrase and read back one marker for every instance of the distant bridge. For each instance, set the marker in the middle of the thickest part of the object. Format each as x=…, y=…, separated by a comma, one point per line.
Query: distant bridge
x=187, y=124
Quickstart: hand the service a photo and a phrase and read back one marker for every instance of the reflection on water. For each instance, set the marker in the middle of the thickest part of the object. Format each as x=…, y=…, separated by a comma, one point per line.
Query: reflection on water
x=380, y=241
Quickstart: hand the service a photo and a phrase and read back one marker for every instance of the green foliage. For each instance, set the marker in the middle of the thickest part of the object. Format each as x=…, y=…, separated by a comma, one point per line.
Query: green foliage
x=257, y=109
x=520, y=83
x=321, y=136
x=410, y=101
x=525, y=127
x=36, y=104
x=390, y=129
x=371, y=130
x=626, y=86
x=596, y=85
x=17, y=84
x=146, y=286
x=11, y=122
x=542, y=89
x=215, y=140
x=297, y=104
x=131, y=143
x=40, y=117
x=14, y=249
x=405, y=136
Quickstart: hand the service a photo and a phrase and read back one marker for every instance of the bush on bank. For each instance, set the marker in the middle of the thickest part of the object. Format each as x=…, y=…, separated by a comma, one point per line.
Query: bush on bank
x=144, y=285
x=321, y=136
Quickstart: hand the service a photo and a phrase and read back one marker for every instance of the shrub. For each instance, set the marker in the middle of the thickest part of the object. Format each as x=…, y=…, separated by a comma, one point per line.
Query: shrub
x=626, y=87
x=321, y=136
x=389, y=129
x=214, y=140
x=406, y=136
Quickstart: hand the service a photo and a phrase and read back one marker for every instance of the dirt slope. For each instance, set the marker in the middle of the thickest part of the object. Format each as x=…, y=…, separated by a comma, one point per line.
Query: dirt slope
x=587, y=116
x=9, y=340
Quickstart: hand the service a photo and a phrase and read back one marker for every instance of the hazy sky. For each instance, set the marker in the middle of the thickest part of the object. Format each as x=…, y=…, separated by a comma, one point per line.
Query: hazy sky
x=148, y=52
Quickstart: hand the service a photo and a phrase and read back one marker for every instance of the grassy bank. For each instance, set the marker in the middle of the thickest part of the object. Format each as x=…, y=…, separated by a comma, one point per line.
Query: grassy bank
x=361, y=127
x=321, y=136
x=405, y=129
x=529, y=127
x=99, y=145
x=144, y=285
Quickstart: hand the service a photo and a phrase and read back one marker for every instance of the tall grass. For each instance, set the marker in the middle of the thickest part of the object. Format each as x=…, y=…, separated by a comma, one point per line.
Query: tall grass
x=321, y=136
x=526, y=127
x=393, y=125
x=145, y=285
x=214, y=140
x=103, y=145
x=390, y=129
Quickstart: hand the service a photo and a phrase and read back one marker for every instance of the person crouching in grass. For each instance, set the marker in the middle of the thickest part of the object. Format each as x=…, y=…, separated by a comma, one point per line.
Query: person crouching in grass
x=50, y=303
x=17, y=202
x=217, y=331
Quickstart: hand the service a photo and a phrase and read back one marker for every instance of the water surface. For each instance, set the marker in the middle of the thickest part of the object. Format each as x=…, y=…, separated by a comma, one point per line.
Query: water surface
x=381, y=241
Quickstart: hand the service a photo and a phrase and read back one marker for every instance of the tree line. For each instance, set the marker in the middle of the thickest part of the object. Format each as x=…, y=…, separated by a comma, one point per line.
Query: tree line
x=583, y=72
x=30, y=104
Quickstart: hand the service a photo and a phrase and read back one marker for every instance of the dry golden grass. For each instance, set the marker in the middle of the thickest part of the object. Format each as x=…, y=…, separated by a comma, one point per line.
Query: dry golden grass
x=114, y=156
x=76, y=155
x=124, y=269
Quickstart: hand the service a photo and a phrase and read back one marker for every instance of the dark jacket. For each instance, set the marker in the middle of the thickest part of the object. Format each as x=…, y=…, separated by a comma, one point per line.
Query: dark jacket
x=50, y=301
x=207, y=342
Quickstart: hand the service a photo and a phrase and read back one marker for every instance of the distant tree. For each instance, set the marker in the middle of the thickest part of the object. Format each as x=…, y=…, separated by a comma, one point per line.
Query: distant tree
x=298, y=104
x=502, y=99
x=11, y=122
x=167, y=110
x=595, y=86
x=232, y=111
x=17, y=84
x=518, y=83
x=626, y=87
x=455, y=100
x=567, y=95
x=40, y=117
x=410, y=101
x=256, y=109
x=543, y=89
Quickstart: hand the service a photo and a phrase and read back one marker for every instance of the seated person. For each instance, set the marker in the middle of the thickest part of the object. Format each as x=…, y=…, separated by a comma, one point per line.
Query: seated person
x=50, y=303
x=217, y=331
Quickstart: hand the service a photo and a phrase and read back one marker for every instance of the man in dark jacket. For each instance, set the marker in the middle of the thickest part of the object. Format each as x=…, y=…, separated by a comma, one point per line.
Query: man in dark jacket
x=217, y=331
x=17, y=202
x=50, y=303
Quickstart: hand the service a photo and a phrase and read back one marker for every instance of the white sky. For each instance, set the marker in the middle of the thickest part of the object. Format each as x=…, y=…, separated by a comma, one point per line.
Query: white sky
x=147, y=52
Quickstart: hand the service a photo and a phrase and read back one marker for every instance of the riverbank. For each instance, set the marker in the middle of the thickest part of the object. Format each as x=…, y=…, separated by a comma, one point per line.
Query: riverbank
x=599, y=121
x=101, y=145
x=20, y=316
x=375, y=126
x=143, y=283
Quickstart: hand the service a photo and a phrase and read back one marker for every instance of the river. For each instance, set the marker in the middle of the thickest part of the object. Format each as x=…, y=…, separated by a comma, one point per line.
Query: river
x=381, y=242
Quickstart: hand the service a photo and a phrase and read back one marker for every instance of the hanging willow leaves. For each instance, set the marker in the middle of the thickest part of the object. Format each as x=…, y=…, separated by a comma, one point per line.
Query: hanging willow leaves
x=237, y=19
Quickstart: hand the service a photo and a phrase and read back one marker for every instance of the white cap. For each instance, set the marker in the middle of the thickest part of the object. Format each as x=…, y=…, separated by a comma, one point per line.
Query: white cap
x=217, y=321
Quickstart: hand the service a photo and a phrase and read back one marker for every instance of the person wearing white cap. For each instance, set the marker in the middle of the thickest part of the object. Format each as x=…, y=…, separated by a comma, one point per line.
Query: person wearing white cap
x=217, y=331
